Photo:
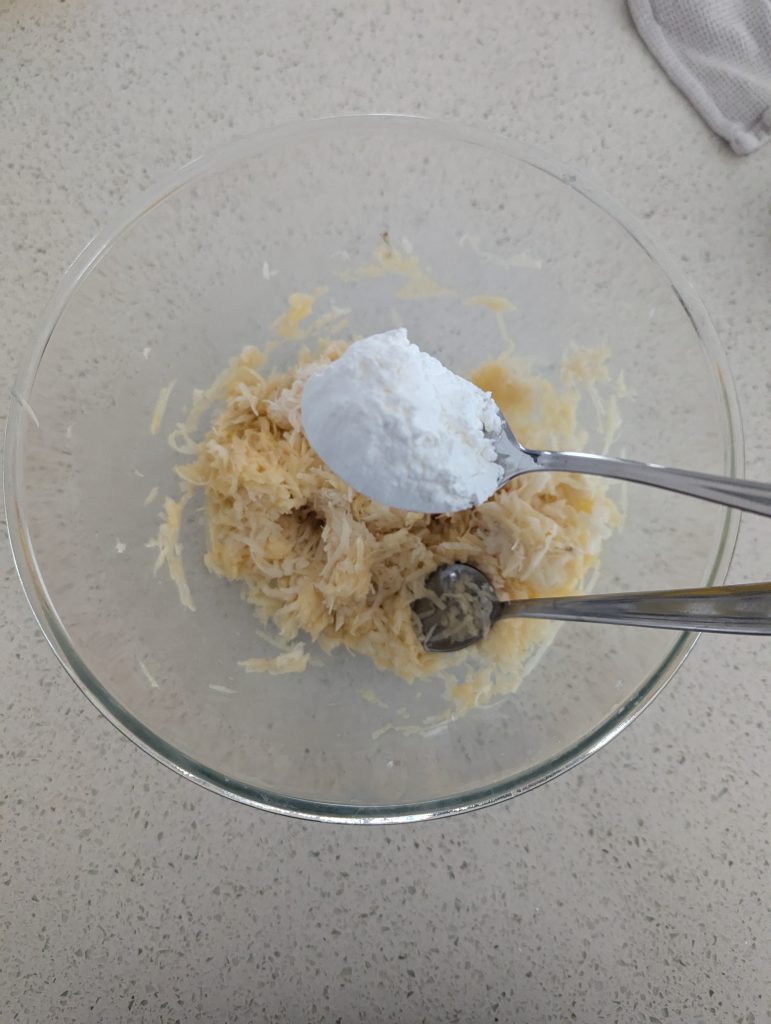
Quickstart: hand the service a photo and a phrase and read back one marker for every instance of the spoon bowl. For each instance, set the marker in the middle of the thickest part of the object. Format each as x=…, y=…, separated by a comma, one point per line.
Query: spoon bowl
x=459, y=609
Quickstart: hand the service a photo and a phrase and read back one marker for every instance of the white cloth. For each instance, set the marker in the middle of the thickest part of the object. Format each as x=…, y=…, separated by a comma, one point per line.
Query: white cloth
x=718, y=52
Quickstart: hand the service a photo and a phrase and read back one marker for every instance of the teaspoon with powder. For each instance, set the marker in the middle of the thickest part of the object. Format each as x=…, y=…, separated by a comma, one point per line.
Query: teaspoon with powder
x=401, y=428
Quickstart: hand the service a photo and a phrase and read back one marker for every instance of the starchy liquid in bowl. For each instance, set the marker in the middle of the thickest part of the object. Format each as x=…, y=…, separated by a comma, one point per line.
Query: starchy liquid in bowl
x=400, y=427
x=321, y=562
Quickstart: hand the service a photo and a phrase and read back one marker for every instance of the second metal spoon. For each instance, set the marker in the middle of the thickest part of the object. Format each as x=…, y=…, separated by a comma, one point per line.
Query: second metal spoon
x=462, y=607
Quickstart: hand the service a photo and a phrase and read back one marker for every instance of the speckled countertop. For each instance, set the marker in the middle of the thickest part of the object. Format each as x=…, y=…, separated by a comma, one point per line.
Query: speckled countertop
x=634, y=889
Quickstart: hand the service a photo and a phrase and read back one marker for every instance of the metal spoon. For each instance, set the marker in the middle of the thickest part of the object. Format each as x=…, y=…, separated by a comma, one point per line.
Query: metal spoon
x=744, y=494
x=462, y=607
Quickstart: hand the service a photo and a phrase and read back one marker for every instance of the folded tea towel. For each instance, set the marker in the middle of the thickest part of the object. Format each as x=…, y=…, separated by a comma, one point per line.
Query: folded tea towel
x=718, y=52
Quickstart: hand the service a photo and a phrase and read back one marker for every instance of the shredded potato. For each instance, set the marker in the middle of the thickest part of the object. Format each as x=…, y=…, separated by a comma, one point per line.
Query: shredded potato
x=323, y=562
x=294, y=660
x=160, y=407
x=170, y=548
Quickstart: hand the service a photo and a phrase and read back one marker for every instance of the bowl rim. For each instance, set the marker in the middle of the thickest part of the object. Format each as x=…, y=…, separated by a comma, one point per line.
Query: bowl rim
x=33, y=583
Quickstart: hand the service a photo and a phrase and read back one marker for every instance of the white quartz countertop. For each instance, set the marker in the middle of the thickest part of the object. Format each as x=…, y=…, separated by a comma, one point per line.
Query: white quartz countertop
x=633, y=889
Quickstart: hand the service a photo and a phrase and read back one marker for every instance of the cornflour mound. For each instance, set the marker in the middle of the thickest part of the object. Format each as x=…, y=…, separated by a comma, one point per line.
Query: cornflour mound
x=400, y=427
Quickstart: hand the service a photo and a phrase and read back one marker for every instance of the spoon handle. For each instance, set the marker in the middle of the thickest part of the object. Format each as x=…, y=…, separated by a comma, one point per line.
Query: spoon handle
x=747, y=495
x=742, y=608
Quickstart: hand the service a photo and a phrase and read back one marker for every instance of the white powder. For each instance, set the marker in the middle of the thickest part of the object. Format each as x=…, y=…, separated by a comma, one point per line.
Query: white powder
x=401, y=428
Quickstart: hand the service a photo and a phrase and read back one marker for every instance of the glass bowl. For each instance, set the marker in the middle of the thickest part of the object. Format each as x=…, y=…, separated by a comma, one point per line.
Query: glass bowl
x=203, y=266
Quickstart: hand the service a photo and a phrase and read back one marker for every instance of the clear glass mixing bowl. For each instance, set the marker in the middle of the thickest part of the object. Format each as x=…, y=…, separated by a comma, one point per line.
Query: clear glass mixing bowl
x=202, y=267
